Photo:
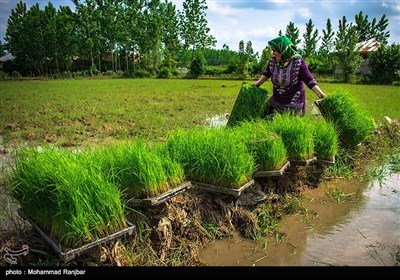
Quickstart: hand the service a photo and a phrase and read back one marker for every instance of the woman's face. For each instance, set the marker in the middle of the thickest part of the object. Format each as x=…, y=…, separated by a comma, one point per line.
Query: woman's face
x=276, y=54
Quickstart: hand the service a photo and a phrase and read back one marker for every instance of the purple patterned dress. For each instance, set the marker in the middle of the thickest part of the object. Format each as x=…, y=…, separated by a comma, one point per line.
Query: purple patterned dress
x=288, y=88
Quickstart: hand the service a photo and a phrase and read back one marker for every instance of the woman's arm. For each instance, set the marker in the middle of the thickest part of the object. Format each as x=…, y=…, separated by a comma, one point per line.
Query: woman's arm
x=318, y=91
x=261, y=80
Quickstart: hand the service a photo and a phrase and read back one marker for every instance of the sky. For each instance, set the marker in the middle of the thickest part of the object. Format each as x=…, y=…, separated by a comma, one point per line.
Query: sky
x=259, y=21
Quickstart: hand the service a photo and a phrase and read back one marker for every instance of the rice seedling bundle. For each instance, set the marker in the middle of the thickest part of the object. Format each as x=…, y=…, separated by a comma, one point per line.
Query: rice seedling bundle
x=326, y=141
x=138, y=169
x=296, y=133
x=212, y=156
x=66, y=195
x=266, y=146
x=249, y=104
x=351, y=122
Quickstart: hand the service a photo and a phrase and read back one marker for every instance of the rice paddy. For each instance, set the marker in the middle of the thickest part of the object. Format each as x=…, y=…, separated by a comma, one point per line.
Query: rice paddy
x=79, y=196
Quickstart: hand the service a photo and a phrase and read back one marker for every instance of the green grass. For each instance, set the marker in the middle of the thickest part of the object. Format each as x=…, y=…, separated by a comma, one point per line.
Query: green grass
x=96, y=111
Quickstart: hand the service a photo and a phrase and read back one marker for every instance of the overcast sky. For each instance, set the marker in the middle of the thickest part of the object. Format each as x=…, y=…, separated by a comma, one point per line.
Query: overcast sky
x=260, y=20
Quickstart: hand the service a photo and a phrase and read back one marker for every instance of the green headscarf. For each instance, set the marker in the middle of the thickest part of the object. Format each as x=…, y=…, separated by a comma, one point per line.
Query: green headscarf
x=285, y=47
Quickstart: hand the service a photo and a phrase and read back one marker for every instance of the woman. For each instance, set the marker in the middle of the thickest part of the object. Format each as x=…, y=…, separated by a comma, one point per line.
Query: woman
x=288, y=71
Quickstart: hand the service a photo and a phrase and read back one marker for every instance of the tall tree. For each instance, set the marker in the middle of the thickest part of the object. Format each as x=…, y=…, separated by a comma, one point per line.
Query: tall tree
x=2, y=50
x=292, y=32
x=133, y=25
x=66, y=42
x=381, y=34
x=150, y=35
x=325, y=54
x=367, y=30
x=243, y=61
x=170, y=34
x=266, y=56
x=385, y=64
x=327, y=38
x=249, y=51
x=110, y=19
x=310, y=40
x=363, y=27
x=87, y=29
x=194, y=26
x=347, y=56
x=50, y=38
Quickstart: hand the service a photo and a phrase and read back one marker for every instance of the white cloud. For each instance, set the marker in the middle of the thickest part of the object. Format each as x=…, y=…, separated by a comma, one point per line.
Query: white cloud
x=305, y=13
x=214, y=7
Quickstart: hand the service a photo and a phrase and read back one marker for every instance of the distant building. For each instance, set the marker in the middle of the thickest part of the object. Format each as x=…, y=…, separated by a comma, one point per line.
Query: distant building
x=365, y=48
x=5, y=58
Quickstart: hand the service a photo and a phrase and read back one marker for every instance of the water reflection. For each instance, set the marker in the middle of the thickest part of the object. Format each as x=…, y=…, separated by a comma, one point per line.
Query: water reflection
x=363, y=231
x=218, y=120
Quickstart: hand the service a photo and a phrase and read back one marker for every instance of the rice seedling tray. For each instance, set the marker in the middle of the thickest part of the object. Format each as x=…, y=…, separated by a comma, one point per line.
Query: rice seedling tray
x=302, y=162
x=272, y=173
x=326, y=162
x=69, y=254
x=224, y=190
x=152, y=201
x=318, y=104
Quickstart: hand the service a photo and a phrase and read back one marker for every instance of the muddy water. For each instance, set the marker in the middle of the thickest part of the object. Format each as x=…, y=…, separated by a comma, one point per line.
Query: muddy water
x=362, y=231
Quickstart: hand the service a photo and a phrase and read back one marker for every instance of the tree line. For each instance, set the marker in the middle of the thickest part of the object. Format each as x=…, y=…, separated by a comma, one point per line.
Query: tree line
x=152, y=37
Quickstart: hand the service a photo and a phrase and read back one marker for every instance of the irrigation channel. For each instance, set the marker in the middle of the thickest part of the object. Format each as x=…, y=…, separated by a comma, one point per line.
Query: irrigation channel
x=364, y=230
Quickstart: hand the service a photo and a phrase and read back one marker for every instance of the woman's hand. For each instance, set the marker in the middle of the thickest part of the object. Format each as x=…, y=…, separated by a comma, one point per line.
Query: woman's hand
x=318, y=92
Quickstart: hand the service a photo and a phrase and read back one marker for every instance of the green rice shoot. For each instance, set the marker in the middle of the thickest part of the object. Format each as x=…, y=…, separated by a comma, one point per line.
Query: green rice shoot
x=266, y=146
x=351, y=122
x=138, y=169
x=66, y=195
x=296, y=133
x=212, y=156
x=326, y=141
x=249, y=104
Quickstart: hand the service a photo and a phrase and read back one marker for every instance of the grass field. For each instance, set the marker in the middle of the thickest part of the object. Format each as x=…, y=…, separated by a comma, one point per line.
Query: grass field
x=95, y=111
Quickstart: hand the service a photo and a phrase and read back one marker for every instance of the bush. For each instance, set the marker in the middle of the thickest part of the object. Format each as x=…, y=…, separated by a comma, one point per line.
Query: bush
x=385, y=64
x=197, y=67
x=165, y=73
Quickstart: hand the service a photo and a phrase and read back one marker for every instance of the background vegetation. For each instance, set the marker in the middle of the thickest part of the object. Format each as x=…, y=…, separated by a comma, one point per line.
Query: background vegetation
x=152, y=38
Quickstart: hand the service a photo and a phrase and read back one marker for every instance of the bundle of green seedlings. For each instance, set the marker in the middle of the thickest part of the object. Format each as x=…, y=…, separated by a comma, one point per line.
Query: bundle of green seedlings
x=326, y=141
x=266, y=146
x=351, y=122
x=212, y=156
x=66, y=195
x=296, y=133
x=138, y=168
x=249, y=104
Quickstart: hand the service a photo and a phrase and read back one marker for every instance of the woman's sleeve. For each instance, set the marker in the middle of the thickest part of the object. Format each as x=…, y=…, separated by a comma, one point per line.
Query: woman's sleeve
x=267, y=71
x=306, y=76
